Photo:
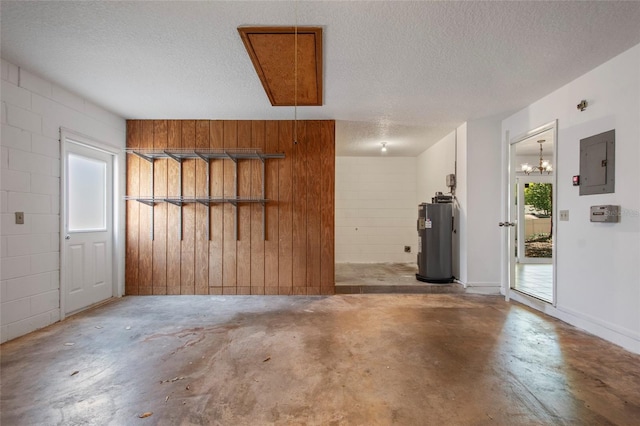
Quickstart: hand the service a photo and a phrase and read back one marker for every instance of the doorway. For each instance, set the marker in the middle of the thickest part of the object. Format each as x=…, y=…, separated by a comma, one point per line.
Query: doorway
x=87, y=273
x=532, y=212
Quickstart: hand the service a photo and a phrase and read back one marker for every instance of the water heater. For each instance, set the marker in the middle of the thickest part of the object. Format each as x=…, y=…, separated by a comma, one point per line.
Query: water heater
x=435, y=226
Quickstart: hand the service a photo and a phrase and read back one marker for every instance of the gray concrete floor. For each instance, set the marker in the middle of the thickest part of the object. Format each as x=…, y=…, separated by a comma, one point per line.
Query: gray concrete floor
x=346, y=360
x=355, y=278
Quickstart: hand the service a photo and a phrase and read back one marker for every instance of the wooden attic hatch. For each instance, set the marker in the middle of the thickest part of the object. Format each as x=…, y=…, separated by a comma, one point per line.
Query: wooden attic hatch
x=271, y=50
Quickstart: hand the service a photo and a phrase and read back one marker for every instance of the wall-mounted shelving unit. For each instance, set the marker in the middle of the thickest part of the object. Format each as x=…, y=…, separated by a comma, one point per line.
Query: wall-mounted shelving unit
x=206, y=155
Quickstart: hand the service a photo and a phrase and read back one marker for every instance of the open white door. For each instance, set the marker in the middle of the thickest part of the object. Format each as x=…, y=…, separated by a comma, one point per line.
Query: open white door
x=531, y=234
x=88, y=226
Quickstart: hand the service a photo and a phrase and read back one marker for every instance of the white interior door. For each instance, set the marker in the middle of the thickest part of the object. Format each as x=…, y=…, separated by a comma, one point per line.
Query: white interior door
x=532, y=270
x=88, y=226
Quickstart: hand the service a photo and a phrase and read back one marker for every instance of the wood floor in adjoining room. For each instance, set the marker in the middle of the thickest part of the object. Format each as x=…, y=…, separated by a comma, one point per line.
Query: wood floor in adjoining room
x=435, y=359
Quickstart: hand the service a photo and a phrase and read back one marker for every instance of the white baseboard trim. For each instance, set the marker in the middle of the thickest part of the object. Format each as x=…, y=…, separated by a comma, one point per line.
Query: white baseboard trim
x=601, y=323
x=620, y=336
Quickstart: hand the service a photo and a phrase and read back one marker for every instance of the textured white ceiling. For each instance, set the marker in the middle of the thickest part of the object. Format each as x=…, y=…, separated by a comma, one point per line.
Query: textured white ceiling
x=404, y=72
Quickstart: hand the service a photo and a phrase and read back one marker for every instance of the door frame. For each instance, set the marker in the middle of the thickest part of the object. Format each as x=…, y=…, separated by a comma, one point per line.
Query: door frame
x=508, y=274
x=67, y=137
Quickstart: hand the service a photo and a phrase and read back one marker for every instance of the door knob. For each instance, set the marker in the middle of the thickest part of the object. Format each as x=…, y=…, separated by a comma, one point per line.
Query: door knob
x=68, y=237
x=501, y=224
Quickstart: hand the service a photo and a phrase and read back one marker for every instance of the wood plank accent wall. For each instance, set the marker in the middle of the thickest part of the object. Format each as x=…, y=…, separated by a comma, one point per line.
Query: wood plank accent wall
x=297, y=256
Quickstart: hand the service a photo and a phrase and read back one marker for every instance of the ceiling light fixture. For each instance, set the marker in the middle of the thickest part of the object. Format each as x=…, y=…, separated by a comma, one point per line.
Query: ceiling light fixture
x=384, y=147
x=543, y=165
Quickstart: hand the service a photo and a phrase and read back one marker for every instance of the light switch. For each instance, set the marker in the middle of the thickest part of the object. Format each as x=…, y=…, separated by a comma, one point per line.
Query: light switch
x=19, y=218
x=564, y=215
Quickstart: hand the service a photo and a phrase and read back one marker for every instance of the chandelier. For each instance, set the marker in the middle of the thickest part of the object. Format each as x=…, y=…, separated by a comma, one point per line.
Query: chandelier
x=543, y=165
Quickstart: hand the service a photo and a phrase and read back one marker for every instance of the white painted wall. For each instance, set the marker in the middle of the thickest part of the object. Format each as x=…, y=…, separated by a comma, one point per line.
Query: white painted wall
x=376, y=209
x=433, y=165
x=478, y=195
x=598, y=265
x=483, y=196
x=33, y=110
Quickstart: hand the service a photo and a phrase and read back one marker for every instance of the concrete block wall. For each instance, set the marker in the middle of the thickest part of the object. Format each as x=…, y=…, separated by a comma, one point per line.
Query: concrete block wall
x=33, y=110
x=376, y=211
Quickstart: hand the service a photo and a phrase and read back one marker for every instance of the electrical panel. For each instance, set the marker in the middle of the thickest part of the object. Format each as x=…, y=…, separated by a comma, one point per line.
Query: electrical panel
x=597, y=164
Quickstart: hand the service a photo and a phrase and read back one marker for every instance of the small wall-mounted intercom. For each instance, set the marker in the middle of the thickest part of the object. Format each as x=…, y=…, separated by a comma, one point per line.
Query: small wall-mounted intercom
x=606, y=214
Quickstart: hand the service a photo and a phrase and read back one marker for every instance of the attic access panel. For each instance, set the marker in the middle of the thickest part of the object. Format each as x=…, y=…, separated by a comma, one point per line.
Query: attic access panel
x=597, y=164
x=271, y=50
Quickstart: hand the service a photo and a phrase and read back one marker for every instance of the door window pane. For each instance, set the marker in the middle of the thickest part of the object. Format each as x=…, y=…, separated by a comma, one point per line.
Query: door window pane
x=87, y=179
x=538, y=224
